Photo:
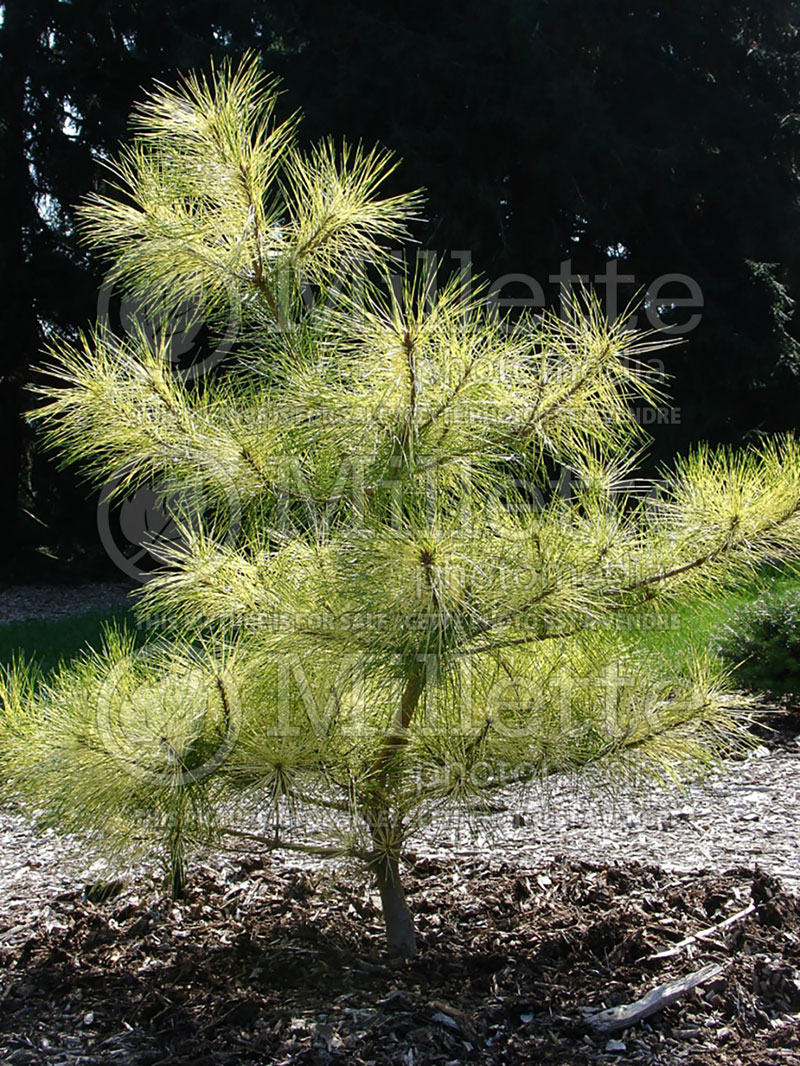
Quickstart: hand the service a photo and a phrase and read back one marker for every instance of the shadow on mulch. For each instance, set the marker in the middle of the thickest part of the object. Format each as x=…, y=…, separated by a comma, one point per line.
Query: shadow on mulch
x=264, y=963
x=779, y=725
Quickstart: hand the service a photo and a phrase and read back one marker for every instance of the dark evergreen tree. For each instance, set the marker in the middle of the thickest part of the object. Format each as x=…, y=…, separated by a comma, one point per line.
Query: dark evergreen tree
x=69, y=72
x=543, y=130
x=564, y=129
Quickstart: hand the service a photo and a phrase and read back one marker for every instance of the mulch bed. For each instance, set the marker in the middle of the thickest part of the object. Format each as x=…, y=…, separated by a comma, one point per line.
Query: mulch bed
x=19, y=603
x=268, y=963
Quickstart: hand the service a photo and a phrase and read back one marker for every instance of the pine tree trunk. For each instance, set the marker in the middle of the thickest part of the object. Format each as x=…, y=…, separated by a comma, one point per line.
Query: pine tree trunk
x=177, y=877
x=387, y=836
x=400, y=937
x=176, y=855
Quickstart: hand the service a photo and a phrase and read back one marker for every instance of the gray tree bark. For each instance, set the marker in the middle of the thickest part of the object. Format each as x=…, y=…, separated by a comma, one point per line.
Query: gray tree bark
x=400, y=936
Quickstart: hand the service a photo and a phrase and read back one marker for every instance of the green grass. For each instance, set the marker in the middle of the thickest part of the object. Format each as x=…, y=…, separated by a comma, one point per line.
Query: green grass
x=50, y=641
x=674, y=634
x=697, y=626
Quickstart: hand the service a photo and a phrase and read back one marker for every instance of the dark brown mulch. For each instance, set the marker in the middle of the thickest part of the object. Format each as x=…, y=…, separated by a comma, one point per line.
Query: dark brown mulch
x=264, y=963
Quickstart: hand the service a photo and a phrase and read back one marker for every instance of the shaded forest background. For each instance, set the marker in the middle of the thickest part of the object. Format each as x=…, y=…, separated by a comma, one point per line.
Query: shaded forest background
x=662, y=137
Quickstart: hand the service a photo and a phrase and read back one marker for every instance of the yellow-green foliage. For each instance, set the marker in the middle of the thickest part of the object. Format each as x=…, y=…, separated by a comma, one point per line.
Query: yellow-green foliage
x=371, y=607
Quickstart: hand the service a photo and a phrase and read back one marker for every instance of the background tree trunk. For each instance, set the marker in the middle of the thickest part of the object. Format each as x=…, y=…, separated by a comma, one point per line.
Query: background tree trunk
x=18, y=223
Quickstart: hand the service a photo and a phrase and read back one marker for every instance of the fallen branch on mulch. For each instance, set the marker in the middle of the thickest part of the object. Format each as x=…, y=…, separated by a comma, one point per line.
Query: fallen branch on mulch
x=703, y=934
x=628, y=1014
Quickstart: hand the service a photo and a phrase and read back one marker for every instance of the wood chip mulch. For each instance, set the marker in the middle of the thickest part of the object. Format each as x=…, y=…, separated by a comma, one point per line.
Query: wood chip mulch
x=18, y=603
x=554, y=910
x=267, y=963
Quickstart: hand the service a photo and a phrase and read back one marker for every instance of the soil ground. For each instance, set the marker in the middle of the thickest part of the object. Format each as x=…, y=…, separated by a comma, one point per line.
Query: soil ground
x=265, y=963
x=551, y=907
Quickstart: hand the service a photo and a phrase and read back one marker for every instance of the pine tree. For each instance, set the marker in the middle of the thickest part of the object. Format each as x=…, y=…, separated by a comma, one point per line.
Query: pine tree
x=377, y=609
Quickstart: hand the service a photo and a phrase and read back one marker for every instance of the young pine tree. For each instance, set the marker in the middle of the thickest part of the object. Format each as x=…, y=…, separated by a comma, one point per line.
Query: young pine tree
x=375, y=608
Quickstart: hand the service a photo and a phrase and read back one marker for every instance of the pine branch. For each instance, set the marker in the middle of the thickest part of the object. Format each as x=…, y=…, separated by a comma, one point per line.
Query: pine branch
x=277, y=844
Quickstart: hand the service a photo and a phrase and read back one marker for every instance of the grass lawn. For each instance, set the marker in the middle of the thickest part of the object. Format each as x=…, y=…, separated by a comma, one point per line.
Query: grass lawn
x=49, y=641
x=673, y=633
x=696, y=625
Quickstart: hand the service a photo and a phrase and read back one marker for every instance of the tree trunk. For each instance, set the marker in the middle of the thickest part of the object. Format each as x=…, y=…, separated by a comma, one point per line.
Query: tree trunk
x=176, y=878
x=19, y=224
x=388, y=837
x=400, y=937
